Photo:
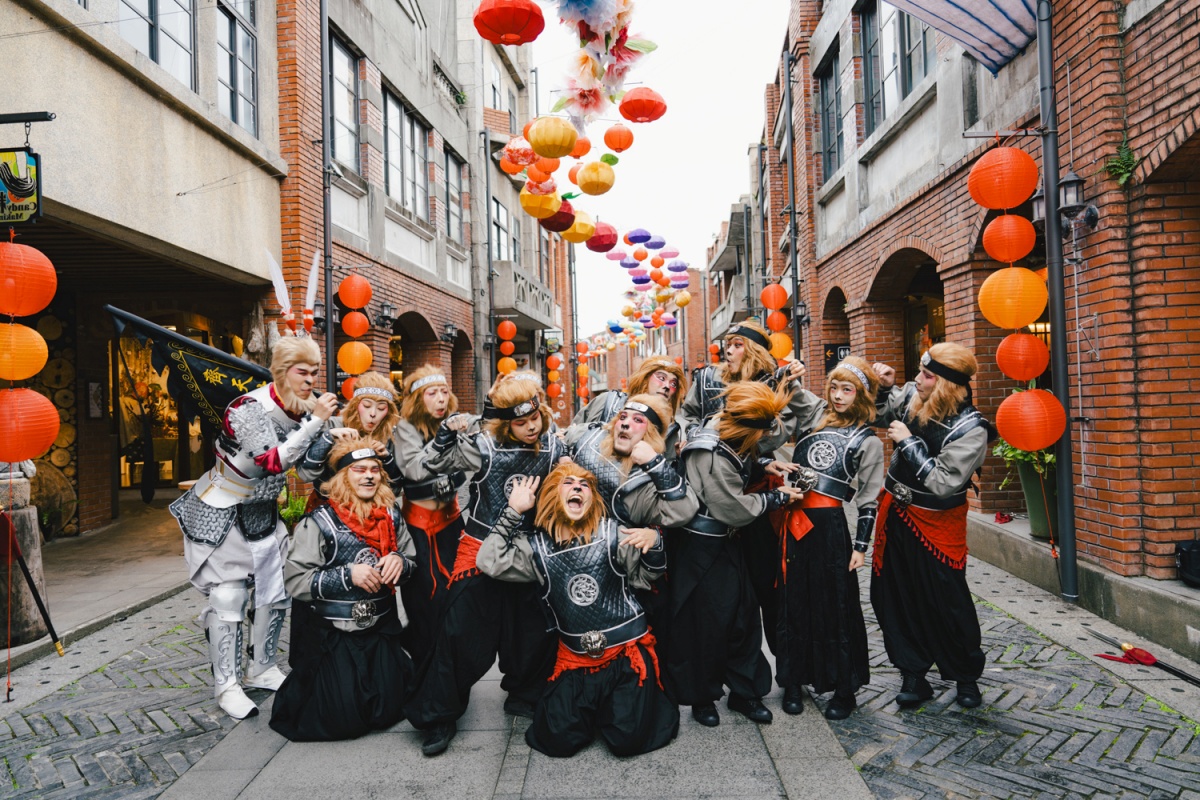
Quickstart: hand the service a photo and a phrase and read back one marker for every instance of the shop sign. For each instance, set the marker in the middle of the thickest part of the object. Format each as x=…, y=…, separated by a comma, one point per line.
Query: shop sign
x=20, y=186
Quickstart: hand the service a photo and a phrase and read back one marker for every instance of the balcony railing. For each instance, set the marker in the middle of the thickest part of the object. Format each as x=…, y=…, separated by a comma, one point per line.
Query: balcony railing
x=520, y=295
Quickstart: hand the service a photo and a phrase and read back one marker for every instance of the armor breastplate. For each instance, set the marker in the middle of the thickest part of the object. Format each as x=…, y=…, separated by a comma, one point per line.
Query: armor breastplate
x=607, y=471
x=614, y=401
x=830, y=453
x=500, y=465
x=618, y=507
x=340, y=547
x=710, y=388
x=936, y=436
x=585, y=589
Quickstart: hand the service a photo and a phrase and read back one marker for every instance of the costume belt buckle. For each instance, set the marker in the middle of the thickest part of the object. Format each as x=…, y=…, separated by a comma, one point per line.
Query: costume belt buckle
x=441, y=486
x=902, y=495
x=593, y=643
x=363, y=613
x=805, y=479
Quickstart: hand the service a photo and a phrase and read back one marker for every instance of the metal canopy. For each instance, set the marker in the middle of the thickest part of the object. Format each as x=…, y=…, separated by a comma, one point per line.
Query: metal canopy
x=726, y=257
x=993, y=31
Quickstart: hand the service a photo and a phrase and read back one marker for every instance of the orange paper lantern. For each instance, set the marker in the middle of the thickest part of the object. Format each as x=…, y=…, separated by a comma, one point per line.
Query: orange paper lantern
x=554, y=361
x=23, y=352
x=642, y=104
x=507, y=348
x=535, y=174
x=777, y=321
x=583, y=145
x=354, y=291
x=27, y=280
x=1009, y=238
x=679, y=360
x=657, y=261
x=552, y=376
x=28, y=424
x=507, y=329
x=509, y=22
x=354, y=358
x=573, y=174
x=640, y=254
x=618, y=138
x=1002, y=178
x=355, y=324
x=554, y=390
x=582, y=370
x=548, y=165
x=581, y=347
x=348, y=388
x=582, y=391
x=509, y=167
x=1022, y=356
x=773, y=296
x=781, y=345
x=506, y=365
x=1031, y=420
x=1012, y=297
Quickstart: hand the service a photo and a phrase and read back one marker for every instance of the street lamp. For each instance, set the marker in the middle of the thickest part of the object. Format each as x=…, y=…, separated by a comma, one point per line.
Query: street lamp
x=386, y=316
x=319, y=319
x=449, y=332
x=1070, y=194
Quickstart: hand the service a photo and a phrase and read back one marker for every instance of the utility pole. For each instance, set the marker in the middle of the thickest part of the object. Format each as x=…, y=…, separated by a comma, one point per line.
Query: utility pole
x=326, y=199
x=791, y=209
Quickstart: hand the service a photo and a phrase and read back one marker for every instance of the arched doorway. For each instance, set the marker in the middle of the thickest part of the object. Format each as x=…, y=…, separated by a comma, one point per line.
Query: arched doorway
x=835, y=328
x=909, y=290
x=462, y=359
x=412, y=344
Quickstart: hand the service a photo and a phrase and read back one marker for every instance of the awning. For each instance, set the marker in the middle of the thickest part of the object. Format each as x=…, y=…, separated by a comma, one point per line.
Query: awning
x=993, y=31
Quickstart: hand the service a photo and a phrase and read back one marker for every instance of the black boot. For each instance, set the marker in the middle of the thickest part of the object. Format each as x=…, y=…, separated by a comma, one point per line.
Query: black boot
x=914, y=690
x=751, y=708
x=518, y=707
x=840, y=706
x=706, y=715
x=969, y=695
x=438, y=738
x=793, y=700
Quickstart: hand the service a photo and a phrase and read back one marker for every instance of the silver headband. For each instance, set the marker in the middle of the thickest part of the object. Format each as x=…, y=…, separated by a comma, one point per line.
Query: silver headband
x=428, y=379
x=858, y=373
x=646, y=411
x=525, y=376
x=384, y=393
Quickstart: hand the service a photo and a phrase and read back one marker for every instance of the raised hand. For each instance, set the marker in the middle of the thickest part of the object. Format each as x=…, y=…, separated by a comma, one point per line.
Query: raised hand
x=523, y=496
x=643, y=453
x=326, y=405
x=886, y=375
x=641, y=538
x=458, y=423
x=780, y=469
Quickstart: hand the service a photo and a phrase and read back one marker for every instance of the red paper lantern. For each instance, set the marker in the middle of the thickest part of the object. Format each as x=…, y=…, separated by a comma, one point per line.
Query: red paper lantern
x=1022, y=356
x=506, y=365
x=714, y=349
x=777, y=321
x=23, y=352
x=355, y=324
x=536, y=175
x=1031, y=420
x=509, y=21
x=583, y=146
x=554, y=390
x=28, y=424
x=509, y=167
x=583, y=391
x=354, y=358
x=581, y=347
x=1012, y=297
x=773, y=296
x=657, y=261
x=1009, y=238
x=618, y=138
x=560, y=220
x=1003, y=178
x=573, y=174
x=507, y=348
x=548, y=165
x=354, y=291
x=679, y=360
x=348, y=388
x=507, y=329
x=716, y=359
x=27, y=280
x=554, y=361
x=642, y=104
x=604, y=239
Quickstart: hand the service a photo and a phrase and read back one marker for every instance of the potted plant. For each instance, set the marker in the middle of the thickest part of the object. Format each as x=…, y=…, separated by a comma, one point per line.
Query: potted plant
x=1035, y=469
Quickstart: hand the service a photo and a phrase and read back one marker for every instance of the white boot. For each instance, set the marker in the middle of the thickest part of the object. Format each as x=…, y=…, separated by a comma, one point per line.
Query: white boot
x=223, y=626
x=264, y=643
x=234, y=702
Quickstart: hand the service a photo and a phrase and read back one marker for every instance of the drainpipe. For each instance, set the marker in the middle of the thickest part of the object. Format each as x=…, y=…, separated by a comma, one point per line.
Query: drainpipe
x=486, y=135
x=792, y=256
x=326, y=199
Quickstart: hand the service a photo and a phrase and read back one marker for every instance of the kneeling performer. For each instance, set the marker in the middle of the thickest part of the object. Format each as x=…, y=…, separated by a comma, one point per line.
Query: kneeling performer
x=346, y=559
x=606, y=675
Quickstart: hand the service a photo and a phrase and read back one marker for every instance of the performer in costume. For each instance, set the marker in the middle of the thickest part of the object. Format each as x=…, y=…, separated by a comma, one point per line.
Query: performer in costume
x=715, y=630
x=655, y=376
x=230, y=519
x=430, y=504
x=919, y=582
x=482, y=617
x=345, y=560
x=372, y=413
x=822, y=638
x=606, y=677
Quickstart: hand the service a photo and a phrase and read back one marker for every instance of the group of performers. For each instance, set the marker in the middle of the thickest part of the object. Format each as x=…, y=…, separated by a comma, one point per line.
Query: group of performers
x=618, y=568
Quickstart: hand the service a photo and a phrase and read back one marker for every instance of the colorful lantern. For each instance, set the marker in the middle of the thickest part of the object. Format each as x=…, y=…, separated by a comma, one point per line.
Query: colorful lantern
x=1031, y=420
x=781, y=345
x=773, y=296
x=23, y=352
x=678, y=265
x=548, y=165
x=509, y=22
x=581, y=230
x=573, y=174
x=1009, y=238
x=354, y=291
x=1022, y=356
x=506, y=365
x=507, y=348
x=629, y=262
x=540, y=206
x=777, y=321
x=669, y=320
x=28, y=423
x=1002, y=178
x=669, y=252
x=656, y=262
x=509, y=167
x=348, y=388
x=582, y=391
x=656, y=243
x=583, y=146
x=560, y=220
x=714, y=349
x=355, y=324
x=618, y=138
x=581, y=347
x=536, y=176
x=507, y=329
x=1012, y=297
x=604, y=239
x=554, y=390
x=354, y=358
x=582, y=371
x=613, y=255
x=27, y=280
x=595, y=178
x=642, y=104
x=552, y=137
x=553, y=361
x=638, y=236
x=640, y=254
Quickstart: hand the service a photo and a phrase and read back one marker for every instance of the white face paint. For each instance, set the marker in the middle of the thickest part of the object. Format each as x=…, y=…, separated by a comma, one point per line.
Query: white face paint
x=629, y=430
x=575, y=494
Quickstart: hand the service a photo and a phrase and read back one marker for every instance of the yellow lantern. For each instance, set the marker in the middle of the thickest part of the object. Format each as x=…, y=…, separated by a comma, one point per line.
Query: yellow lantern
x=552, y=376
x=23, y=352
x=582, y=370
x=581, y=229
x=552, y=137
x=781, y=345
x=595, y=177
x=610, y=345
x=1012, y=297
x=682, y=298
x=540, y=206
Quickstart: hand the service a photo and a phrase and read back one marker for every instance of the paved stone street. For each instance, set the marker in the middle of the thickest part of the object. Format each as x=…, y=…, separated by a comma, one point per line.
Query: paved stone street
x=129, y=713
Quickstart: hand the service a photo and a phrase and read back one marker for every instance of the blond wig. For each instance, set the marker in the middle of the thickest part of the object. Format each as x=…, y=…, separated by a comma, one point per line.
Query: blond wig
x=339, y=490
x=552, y=517
x=756, y=359
x=287, y=353
x=748, y=400
x=350, y=417
x=509, y=392
x=946, y=397
x=413, y=407
x=862, y=410
x=639, y=381
x=654, y=436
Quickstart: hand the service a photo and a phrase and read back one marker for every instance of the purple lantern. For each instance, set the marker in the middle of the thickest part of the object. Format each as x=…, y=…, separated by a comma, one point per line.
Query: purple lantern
x=678, y=266
x=669, y=320
x=638, y=235
x=655, y=243
x=630, y=263
x=680, y=283
x=641, y=282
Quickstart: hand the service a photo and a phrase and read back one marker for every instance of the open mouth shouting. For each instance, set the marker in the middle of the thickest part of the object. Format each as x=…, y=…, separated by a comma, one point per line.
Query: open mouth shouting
x=576, y=496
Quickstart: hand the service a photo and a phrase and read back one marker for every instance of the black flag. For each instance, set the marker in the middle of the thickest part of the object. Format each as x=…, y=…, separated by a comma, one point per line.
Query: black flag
x=202, y=379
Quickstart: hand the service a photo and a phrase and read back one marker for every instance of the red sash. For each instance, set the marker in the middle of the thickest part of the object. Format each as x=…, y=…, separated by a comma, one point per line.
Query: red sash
x=432, y=523
x=944, y=533
x=568, y=659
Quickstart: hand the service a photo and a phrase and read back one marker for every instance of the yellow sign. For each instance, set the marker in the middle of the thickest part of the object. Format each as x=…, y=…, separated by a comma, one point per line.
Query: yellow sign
x=20, y=185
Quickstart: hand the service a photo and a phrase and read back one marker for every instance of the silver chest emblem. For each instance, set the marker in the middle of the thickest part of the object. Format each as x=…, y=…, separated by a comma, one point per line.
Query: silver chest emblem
x=510, y=483
x=822, y=455
x=583, y=590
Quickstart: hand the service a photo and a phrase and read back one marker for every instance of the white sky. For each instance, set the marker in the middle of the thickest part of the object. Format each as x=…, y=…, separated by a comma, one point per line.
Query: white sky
x=686, y=169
